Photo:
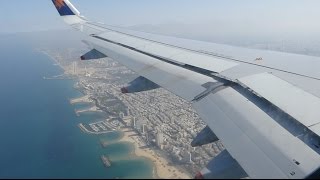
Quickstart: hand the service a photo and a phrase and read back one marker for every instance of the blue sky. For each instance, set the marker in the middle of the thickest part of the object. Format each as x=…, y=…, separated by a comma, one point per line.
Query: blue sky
x=216, y=16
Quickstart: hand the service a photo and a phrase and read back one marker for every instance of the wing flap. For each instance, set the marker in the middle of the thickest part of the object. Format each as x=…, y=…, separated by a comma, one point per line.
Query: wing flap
x=262, y=147
x=301, y=105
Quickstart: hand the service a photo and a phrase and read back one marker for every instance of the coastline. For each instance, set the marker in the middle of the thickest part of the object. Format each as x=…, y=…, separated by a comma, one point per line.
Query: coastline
x=162, y=169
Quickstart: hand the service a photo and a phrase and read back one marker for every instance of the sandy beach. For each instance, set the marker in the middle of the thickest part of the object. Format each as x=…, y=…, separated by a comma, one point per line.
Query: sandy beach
x=163, y=170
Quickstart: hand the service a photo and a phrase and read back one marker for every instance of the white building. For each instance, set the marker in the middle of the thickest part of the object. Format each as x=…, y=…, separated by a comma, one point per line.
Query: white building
x=144, y=128
x=159, y=139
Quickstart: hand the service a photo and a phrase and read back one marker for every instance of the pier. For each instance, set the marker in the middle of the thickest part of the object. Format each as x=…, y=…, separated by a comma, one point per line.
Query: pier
x=83, y=99
x=57, y=77
x=103, y=143
x=91, y=109
x=105, y=161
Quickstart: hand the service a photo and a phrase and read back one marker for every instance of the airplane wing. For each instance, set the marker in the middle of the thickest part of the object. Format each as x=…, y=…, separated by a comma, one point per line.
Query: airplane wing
x=262, y=105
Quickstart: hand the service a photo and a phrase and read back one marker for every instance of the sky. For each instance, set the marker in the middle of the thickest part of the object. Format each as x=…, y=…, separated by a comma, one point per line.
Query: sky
x=205, y=17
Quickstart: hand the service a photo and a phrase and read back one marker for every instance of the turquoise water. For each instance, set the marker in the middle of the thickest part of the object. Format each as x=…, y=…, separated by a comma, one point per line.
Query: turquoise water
x=39, y=137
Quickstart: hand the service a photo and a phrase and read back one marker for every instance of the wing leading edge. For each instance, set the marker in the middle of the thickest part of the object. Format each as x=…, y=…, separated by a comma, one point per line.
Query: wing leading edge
x=266, y=135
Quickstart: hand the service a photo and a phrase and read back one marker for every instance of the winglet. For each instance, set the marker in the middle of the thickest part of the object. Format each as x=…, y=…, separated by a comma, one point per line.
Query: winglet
x=65, y=8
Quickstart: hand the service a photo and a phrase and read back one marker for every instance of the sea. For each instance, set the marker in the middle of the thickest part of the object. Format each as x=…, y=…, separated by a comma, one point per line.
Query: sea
x=39, y=134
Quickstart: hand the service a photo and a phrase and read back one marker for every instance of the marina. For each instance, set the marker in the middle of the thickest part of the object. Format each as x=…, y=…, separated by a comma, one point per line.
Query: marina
x=84, y=129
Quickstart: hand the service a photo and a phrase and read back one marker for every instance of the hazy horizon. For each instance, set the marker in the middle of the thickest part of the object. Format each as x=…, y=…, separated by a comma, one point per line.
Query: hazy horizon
x=251, y=19
x=282, y=25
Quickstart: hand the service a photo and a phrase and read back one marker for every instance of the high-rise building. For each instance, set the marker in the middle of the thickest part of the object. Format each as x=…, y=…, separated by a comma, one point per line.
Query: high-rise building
x=87, y=74
x=190, y=157
x=139, y=123
x=159, y=139
x=75, y=67
x=144, y=128
x=128, y=112
x=134, y=122
x=147, y=138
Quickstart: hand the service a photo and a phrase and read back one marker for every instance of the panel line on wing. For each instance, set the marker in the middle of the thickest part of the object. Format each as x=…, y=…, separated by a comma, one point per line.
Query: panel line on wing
x=208, y=73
